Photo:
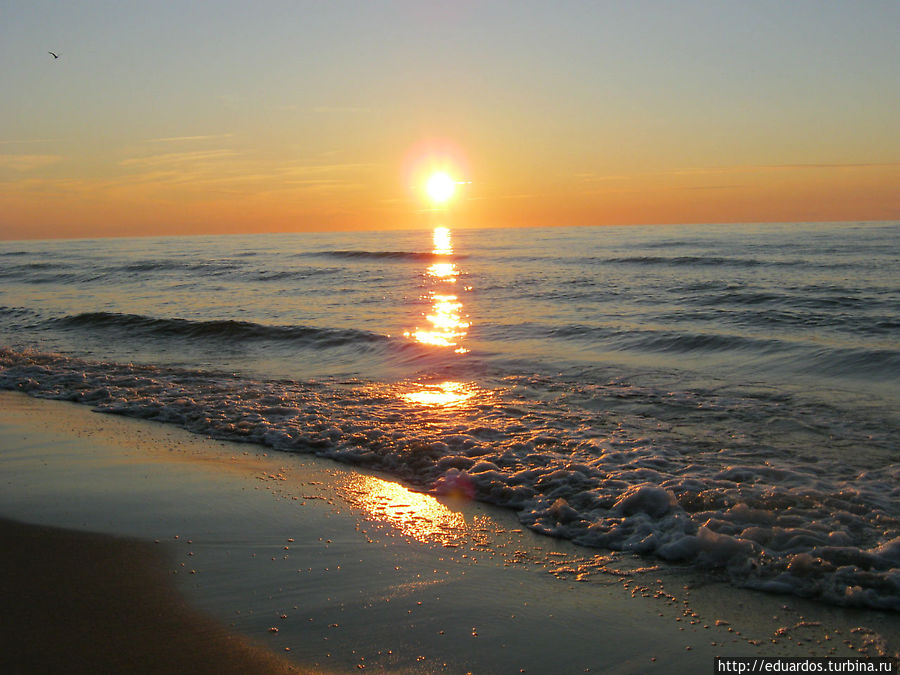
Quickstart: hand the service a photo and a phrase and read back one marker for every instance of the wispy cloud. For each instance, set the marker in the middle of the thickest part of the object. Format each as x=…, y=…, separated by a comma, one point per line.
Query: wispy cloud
x=710, y=187
x=27, y=141
x=228, y=171
x=327, y=109
x=837, y=165
x=180, y=139
x=523, y=195
x=756, y=168
x=196, y=174
x=307, y=169
x=177, y=158
x=27, y=162
x=590, y=177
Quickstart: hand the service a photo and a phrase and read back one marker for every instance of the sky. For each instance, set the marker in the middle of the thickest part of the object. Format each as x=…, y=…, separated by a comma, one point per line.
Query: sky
x=228, y=116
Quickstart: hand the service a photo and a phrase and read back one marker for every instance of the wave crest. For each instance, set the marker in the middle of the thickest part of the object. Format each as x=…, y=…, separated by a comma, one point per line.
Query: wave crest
x=220, y=329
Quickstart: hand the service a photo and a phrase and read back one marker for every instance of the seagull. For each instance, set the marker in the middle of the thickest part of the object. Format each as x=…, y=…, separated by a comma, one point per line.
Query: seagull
x=55, y=56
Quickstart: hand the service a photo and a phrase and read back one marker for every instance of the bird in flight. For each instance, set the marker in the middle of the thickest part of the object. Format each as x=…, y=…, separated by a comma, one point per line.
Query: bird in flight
x=54, y=55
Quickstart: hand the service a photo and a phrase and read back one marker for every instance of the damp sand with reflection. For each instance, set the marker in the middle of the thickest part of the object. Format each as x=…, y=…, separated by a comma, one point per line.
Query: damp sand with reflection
x=355, y=570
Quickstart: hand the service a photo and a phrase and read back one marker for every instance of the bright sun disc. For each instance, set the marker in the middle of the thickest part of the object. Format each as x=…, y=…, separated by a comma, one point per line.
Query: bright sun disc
x=440, y=187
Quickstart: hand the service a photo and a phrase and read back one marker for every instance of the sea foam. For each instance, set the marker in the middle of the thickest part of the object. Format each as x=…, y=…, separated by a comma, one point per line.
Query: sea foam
x=817, y=526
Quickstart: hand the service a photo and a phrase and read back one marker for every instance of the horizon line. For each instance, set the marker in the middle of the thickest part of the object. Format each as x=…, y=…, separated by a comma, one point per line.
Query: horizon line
x=457, y=227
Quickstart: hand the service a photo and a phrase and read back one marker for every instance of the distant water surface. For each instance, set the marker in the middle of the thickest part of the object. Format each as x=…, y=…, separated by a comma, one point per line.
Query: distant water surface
x=724, y=396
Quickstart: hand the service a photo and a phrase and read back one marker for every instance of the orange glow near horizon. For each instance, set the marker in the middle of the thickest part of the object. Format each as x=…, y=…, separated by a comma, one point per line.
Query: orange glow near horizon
x=220, y=192
x=434, y=168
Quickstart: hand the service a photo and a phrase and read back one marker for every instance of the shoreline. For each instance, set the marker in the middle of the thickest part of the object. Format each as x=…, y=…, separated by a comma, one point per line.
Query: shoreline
x=357, y=572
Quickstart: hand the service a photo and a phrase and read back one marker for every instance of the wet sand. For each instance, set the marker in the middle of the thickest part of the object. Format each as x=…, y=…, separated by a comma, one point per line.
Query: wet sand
x=78, y=602
x=220, y=548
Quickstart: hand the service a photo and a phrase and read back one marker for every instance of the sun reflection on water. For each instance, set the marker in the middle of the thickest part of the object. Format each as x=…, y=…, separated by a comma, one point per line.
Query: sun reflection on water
x=442, y=245
x=444, y=272
x=443, y=395
x=448, y=324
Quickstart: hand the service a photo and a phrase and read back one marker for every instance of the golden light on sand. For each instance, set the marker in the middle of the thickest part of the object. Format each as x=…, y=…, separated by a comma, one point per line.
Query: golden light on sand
x=416, y=515
x=440, y=187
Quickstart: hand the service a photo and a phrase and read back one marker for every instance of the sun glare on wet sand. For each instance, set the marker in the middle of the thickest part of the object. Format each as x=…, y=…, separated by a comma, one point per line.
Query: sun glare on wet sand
x=418, y=516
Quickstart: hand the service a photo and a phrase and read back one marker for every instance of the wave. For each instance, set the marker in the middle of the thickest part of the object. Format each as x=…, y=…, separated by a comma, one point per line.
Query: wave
x=61, y=272
x=226, y=329
x=877, y=364
x=851, y=301
x=788, y=352
x=789, y=355
x=207, y=267
x=767, y=319
x=687, y=260
x=25, y=269
x=720, y=261
x=617, y=338
x=285, y=275
x=17, y=312
x=789, y=518
x=689, y=342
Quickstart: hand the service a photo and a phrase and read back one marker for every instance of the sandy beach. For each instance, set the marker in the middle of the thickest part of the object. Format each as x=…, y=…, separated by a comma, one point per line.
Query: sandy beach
x=141, y=547
x=78, y=602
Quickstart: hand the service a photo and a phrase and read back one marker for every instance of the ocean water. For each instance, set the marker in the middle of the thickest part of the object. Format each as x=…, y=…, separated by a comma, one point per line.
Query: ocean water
x=719, y=397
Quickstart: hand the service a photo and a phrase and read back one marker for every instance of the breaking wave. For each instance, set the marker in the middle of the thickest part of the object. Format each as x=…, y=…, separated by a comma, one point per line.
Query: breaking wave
x=685, y=476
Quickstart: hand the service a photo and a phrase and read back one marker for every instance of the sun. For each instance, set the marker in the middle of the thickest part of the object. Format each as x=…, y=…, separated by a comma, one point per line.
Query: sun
x=440, y=187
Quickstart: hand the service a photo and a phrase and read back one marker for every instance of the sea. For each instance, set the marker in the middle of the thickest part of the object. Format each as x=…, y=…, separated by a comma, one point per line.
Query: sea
x=724, y=398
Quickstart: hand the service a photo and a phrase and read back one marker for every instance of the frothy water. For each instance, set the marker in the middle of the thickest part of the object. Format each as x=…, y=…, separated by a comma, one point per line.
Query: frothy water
x=723, y=397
